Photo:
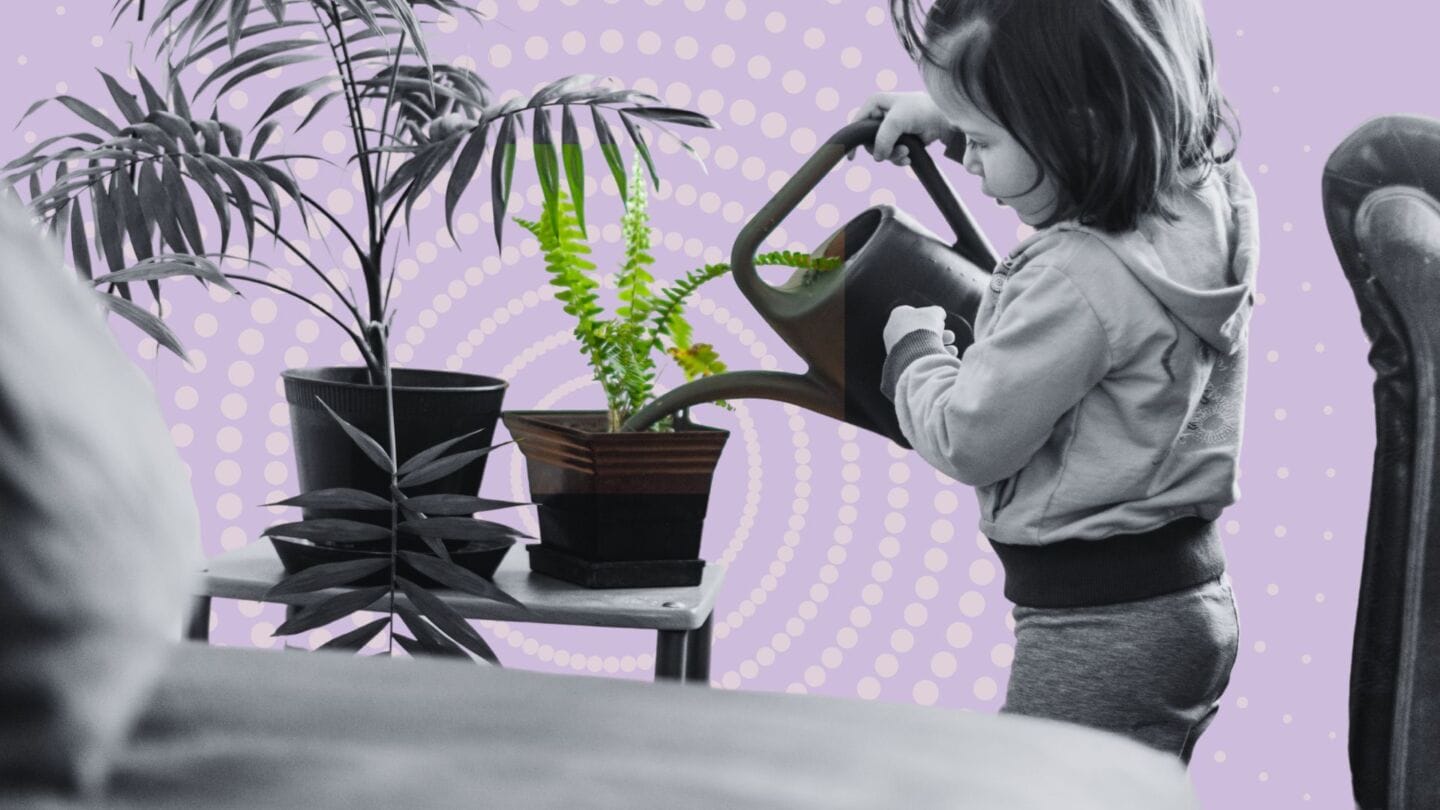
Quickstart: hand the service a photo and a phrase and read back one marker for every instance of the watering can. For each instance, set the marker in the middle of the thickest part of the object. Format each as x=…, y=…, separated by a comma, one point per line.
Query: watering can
x=835, y=321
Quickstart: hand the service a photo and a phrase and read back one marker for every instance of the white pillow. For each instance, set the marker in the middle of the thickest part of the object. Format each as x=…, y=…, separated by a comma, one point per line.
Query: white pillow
x=98, y=528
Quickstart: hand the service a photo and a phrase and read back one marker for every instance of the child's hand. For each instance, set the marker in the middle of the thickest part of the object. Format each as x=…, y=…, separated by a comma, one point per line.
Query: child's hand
x=906, y=319
x=901, y=114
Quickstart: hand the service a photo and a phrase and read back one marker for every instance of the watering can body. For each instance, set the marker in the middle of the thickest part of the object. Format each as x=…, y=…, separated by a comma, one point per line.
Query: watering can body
x=835, y=319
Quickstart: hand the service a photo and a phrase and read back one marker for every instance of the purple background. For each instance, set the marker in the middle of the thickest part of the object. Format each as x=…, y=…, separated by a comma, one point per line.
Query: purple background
x=854, y=570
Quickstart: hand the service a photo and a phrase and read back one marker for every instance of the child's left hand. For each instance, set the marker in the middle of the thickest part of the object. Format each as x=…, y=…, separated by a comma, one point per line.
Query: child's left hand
x=905, y=319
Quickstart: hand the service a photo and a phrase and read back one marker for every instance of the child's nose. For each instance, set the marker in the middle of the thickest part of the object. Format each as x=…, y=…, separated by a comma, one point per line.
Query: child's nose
x=971, y=161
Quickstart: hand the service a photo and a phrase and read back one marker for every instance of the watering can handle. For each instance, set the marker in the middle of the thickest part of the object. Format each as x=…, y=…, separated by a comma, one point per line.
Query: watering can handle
x=970, y=242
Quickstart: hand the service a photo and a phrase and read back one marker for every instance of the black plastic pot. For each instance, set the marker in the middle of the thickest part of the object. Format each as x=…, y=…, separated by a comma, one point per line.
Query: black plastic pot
x=297, y=555
x=430, y=407
x=617, y=510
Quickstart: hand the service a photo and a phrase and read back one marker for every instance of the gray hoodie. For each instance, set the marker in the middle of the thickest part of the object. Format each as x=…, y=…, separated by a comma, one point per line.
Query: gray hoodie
x=1105, y=390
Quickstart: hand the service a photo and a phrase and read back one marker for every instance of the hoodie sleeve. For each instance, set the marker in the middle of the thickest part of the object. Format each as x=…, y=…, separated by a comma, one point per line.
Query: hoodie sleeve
x=981, y=417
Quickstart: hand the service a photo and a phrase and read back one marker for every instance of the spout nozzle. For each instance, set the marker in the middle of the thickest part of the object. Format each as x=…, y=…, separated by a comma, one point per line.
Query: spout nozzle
x=781, y=386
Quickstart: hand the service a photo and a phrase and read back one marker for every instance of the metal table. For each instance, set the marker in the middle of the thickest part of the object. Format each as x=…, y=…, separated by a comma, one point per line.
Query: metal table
x=681, y=617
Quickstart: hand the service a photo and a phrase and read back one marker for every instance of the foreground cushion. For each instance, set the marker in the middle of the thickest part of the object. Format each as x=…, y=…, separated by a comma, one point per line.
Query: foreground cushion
x=98, y=529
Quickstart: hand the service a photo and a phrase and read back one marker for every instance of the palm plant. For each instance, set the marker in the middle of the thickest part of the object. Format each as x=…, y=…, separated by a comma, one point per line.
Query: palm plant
x=142, y=174
x=435, y=628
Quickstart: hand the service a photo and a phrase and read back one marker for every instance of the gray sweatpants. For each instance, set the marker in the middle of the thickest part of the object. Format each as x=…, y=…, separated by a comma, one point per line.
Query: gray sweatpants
x=1152, y=669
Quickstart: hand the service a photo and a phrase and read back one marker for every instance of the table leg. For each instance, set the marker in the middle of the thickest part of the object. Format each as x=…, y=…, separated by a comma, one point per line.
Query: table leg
x=197, y=628
x=670, y=655
x=697, y=653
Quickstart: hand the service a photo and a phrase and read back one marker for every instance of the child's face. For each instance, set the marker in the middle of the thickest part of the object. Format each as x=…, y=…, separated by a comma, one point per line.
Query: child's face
x=992, y=153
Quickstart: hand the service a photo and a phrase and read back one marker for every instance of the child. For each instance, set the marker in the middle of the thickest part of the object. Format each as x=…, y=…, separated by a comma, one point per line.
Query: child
x=1098, y=412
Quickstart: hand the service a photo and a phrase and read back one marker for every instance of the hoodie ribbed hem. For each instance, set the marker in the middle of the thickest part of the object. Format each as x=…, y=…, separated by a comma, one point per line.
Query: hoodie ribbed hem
x=1119, y=568
x=908, y=349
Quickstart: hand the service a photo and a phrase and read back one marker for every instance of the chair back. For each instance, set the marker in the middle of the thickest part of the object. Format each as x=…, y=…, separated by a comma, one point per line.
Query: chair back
x=1380, y=193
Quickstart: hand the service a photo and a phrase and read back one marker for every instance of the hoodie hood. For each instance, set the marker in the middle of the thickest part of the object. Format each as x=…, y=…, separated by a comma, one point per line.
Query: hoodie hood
x=1202, y=267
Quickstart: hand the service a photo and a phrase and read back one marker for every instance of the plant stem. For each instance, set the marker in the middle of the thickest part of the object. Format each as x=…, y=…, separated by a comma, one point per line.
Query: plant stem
x=372, y=201
x=354, y=311
x=354, y=243
x=394, y=212
x=370, y=360
x=341, y=56
x=380, y=332
x=382, y=159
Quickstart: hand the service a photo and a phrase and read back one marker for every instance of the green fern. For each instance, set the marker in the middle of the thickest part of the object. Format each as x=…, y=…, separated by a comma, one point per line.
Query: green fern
x=621, y=350
x=699, y=360
x=634, y=280
x=570, y=274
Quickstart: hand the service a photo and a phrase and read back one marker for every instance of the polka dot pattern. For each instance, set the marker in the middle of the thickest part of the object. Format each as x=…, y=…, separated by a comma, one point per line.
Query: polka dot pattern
x=853, y=569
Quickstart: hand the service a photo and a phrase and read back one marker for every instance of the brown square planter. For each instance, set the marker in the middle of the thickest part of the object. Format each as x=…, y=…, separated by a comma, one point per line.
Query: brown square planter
x=617, y=510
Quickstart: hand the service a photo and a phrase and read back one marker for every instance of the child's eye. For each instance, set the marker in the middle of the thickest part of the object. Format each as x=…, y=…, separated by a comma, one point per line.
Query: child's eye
x=971, y=143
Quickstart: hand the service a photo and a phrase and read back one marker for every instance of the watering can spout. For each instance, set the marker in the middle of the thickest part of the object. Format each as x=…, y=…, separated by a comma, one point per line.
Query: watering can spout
x=796, y=389
x=834, y=319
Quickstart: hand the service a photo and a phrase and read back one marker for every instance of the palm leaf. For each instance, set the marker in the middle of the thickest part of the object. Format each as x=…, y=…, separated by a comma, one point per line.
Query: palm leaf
x=502, y=170
x=453, y=576
x=330, y=530
x=124, y=100
x=640, y=146
x=356, y=639
x=611, y=150
x=336, y=498
x=336, y=607
x=490, y=534
x=546, y=163
x=149, y=324
x=440, y=468
x=367, y=445
x=446, y=504
x=464, y=171
x=574, y=163
x=429, y=454
x=447, y=620
x=328, y=575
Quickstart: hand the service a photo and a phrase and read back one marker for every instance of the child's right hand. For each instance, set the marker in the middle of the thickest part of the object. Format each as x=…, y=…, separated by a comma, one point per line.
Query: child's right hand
x=901, y=114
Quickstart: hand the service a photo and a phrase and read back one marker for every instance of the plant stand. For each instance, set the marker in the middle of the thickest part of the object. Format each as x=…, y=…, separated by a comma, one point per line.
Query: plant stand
x=617, y=510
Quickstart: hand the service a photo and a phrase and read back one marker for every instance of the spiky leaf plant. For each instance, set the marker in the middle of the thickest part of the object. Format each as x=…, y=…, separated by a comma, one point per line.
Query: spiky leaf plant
x=435, y=628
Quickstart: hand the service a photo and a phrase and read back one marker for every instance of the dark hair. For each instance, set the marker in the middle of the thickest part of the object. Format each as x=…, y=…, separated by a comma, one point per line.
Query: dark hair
x=1116, y=99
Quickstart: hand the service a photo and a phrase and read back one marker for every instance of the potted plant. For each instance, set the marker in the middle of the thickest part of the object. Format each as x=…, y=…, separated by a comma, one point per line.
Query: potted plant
x=424, y=542
x=150, y=177
x=623, y=509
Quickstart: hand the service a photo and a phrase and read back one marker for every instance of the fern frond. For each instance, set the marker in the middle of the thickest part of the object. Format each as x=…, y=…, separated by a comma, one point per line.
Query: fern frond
x=621, y=350
x=699, y=360
x=564, y=246
x=634, y=280
x=669, y=316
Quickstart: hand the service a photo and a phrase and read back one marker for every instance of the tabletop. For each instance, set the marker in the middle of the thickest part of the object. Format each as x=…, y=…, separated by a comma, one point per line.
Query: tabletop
x=248, y=572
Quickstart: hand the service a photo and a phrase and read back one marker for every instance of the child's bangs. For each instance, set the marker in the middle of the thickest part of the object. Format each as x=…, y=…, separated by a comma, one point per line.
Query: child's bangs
x=955, y=36
x=926, y=35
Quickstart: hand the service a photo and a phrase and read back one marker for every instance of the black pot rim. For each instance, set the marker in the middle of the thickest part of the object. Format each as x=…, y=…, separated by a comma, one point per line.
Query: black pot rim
x=316, y=374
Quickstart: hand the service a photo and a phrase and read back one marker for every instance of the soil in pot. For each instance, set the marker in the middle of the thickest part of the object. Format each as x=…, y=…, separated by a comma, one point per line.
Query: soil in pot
x=617, y=509
x=430, y=407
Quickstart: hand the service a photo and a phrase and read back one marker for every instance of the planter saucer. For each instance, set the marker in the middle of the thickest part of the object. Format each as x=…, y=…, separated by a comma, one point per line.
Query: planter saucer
x=619, y=574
